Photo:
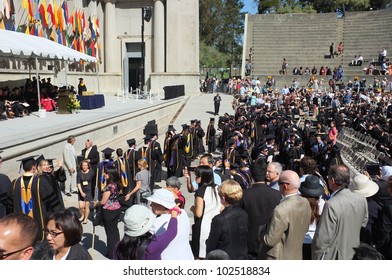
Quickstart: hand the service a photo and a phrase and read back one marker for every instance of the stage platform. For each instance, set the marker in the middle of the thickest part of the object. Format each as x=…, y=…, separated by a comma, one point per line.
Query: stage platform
x=110, y=125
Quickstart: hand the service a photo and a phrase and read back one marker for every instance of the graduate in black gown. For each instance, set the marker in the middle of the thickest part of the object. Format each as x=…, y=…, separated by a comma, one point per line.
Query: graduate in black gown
x=5, y=187
x=32, y=195
x=210, y=136
x=106, y=162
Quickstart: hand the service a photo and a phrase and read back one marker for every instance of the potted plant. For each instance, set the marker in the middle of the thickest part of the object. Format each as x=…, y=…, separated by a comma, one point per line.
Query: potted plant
x=73, y=104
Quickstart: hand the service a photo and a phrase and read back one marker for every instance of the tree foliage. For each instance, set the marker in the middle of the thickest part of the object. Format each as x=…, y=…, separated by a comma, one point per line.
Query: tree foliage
x=221, y=28
x=320, y=6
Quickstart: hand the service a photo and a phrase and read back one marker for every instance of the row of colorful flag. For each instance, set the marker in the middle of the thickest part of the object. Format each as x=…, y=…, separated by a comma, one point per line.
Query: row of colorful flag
x=51, y=19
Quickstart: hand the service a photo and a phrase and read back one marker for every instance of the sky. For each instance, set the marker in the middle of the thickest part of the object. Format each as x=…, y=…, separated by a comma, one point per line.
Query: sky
x=250, y=6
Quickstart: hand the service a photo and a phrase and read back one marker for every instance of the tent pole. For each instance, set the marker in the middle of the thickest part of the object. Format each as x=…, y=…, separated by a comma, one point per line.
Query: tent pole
x=66, y=73
x=97, y=69
x=38, y=89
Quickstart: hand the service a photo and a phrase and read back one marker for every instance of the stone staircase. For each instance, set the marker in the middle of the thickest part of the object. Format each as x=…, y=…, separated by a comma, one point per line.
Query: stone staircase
x=366, y=33
x=304, y=40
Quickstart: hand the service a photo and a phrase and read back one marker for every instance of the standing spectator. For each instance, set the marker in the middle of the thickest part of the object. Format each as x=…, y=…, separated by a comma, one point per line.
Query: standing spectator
x=284, y=67
x=331, y=51
x=274, y=169
x=173, y=184
x=207, y=206
x=312, y=190
x=138, y=243
x=142, y=189
x=333, y=132
x=85, y=180
x=229, y=229
x=163, y=204
x=283, y=237
x=90, y=153
x=18, y=235
x=258, y=201
x=340, y=48
x=69, y=158
x=340, y=223
x=111, y=208
x=64, y=232
x=217, y=101
x=363, y=185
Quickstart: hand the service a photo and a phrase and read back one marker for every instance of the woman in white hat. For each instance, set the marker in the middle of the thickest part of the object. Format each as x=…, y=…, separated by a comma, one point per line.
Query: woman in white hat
x=363, y=185
x=138, y=243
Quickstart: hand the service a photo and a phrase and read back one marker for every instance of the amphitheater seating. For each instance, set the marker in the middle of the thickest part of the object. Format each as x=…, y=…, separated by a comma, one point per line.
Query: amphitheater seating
x=304, y=40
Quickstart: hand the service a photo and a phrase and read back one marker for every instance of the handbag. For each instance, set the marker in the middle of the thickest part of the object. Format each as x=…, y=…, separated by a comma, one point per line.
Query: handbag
x=97, y=217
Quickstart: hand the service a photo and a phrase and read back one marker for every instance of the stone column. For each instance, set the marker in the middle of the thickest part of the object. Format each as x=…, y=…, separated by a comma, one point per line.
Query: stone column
x=110, y=36
x=159, y=36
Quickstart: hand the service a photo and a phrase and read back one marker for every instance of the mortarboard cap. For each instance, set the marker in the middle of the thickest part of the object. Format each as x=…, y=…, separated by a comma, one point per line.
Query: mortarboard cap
x=80, y=79
x=131, y=142
x=107, y=151
x=39, y=159
x=212, y=119
x=270, y=137
x=26, y=160
x=230, y=141
x=171, y=128
x=185, y=126
x=233, y=166
x=193, y=121
x=262, y=146
x=50, y=161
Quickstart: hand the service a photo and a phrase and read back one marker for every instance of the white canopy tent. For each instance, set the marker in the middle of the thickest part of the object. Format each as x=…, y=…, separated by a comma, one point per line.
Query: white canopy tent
x=21, y=45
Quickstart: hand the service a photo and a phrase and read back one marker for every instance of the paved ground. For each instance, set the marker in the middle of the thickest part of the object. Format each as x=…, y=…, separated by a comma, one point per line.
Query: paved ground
x=196, y=107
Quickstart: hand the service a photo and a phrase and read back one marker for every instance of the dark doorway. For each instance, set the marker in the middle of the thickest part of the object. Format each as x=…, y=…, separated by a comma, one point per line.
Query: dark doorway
x=134, y=72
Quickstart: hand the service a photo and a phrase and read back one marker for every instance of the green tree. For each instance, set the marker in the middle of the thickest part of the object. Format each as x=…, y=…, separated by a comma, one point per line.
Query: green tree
x=267, y=6
x=221, y=27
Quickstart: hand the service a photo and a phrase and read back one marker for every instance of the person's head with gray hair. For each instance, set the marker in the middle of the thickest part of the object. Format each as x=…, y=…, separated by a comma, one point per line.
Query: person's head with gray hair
x=274, y=169
x=289, y=182
x=173, y=182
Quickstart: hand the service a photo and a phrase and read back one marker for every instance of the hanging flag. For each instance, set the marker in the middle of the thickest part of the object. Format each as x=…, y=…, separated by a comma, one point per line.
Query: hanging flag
x=27, y=31
x=52, y=15
x=91, y=26
x=26, y=4
x=83, y=20
x=36, y=9
x=97, y=26
x=2, y=26
x=42, y=12
x=92, y=48
x=79, y=19
x=76, y=24
x=60, y=17
x=59, y=37
x=32, y=29
x=7, y=9
x=65, y=10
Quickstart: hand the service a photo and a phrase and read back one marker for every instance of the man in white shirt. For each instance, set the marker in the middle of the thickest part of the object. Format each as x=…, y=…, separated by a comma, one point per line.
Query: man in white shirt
x=69, y=157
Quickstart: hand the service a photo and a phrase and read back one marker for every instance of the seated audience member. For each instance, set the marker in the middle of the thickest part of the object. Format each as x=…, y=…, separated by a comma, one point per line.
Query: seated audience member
x=46, y=102
x=359, y=60
x=18, y=235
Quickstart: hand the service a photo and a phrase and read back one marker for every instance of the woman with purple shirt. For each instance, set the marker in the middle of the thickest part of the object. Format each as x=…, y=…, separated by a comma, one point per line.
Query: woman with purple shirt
x=138, y=243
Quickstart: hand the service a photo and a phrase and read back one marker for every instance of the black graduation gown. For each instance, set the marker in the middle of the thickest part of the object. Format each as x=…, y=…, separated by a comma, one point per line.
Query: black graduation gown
x=176, y=156
x=210, y=138
x=44, y=200
x=5, y=186
x=155, y=162
x=53, y=181
x=198, y=142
